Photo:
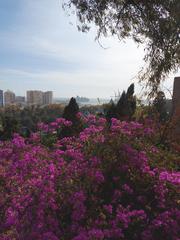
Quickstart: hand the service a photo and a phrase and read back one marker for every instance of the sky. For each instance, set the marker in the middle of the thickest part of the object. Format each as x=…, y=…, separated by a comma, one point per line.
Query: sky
x=41, y=48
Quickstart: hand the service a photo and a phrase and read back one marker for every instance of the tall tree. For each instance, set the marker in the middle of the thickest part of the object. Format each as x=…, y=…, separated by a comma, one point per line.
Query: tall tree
x=71, y=110
x=70, y=113
x=122, y=106
x=155, y=23
x=159, y=105
x=125, y=107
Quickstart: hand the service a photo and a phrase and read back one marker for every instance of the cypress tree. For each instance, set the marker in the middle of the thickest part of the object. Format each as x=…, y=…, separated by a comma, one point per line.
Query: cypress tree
x=122, y=106
x=126, y=105
x=131, y=101
x=130, y=90
x=70, y=114
x=71, y=110
x=159, y=105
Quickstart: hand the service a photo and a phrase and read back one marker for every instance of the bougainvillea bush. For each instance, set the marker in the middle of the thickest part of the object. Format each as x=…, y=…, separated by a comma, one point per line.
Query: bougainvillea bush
x=105, y=183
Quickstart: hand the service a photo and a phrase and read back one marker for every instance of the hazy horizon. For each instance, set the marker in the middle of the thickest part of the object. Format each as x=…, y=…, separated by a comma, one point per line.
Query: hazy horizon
x=41, y=50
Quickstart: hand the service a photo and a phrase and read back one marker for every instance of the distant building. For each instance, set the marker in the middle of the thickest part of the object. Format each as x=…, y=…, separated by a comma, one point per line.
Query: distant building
x=20, y=100
x=176, y=94
x=47, y=97
x=9, y=98
x=34, y=97
x=82, y=99
x=1, y=98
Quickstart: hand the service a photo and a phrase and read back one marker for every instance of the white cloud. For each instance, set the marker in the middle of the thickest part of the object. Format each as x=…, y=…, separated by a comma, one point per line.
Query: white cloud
x=63, y=84
x=43, y=31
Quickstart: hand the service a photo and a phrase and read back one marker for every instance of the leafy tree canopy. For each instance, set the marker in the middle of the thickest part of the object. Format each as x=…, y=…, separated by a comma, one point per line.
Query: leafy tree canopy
x=156, y=23
x=125, y=107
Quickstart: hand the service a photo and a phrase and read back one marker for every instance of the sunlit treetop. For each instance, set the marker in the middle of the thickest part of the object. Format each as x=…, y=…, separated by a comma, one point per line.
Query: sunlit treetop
x=155, y=23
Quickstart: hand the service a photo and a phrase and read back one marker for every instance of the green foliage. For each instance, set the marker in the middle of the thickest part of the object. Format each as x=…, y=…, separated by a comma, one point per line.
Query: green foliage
x=14, y=119
x=159, y=105
x=125, y=107
x=111, y=111
x=154, y=23
x=70, y=114
x=121, y=105
x=10, y=125
x=71, y=110
x=48, y=140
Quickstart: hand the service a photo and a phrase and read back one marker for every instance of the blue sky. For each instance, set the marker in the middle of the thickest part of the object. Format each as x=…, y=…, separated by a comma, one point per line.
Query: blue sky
x=41, y=49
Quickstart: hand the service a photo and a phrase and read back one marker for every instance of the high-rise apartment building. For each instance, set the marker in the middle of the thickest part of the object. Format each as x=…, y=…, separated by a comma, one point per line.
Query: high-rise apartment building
x=34, y=97
x=20, y=100
x=1, y=98
x=9, y=97
x=47, y=97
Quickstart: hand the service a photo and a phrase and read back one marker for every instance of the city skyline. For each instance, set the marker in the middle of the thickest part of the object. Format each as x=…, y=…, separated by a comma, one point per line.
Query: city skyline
x=58, y=97
x=40, y=49
x=32, y=97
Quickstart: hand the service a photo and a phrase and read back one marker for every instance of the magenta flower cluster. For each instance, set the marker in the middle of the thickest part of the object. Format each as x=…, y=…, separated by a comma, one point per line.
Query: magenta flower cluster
x=100, y=185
